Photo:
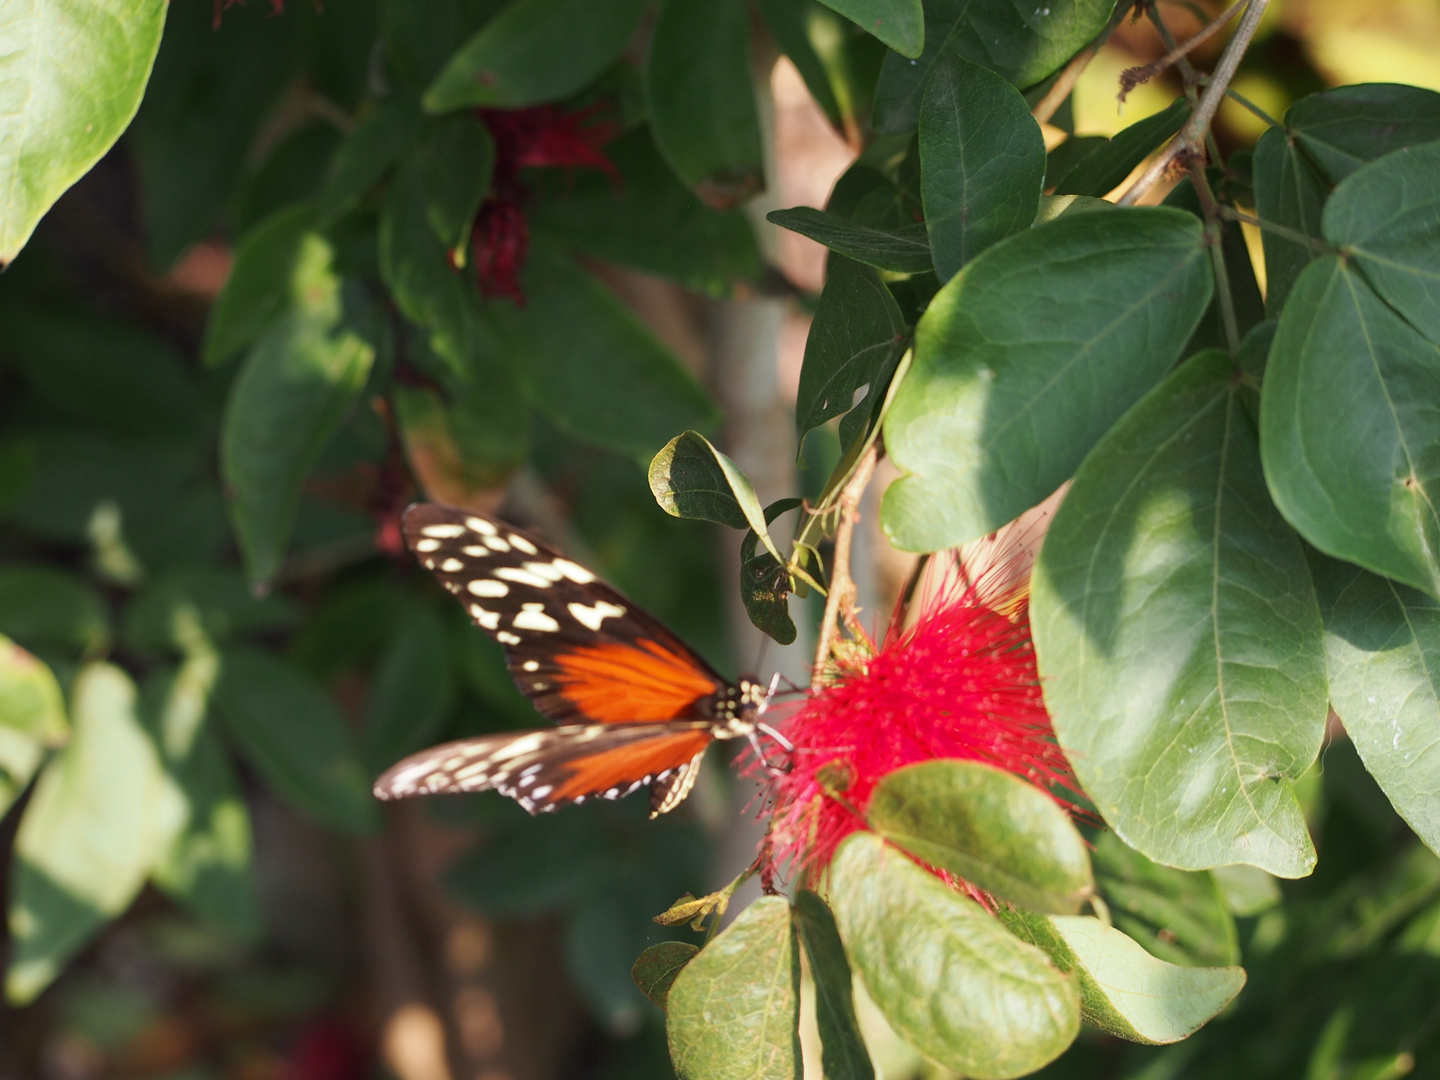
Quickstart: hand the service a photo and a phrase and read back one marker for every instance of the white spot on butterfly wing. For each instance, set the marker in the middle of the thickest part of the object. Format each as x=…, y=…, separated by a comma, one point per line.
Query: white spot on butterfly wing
x=541, y=792
x=427, y=545
x=496, y=543
x=531, y=665
x=547, y=570
x=522, y=577
x=521, y=544
x=533, y=617
x=574, y=571
x=452, y=566
x=477, y=551
x=479, y=525
x=507, y=638
x=593, y=616
x=443, y=532
x=486, y=587
x=488, y=619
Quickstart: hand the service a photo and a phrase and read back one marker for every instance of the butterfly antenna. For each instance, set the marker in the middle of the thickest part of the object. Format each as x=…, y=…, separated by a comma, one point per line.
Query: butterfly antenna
x=770, y=693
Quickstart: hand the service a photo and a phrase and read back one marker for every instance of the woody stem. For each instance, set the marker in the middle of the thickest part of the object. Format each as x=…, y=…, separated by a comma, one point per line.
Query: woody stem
x=840, y=603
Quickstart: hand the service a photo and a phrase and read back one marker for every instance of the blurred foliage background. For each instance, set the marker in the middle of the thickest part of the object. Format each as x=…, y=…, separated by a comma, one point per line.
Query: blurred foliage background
x=293, y=930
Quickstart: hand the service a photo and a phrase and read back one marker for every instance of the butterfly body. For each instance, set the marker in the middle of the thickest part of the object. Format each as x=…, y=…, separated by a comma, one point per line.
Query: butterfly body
x=634, y=705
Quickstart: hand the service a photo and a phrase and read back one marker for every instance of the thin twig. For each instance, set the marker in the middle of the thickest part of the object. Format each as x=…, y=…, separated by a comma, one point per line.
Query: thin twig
x=840, y=602
x=1279, y=230
x=1242, y=100
x=1191, y=77
x=1215, y=239
x=1189, y=143
x=1050, y=104
x=1133, y=77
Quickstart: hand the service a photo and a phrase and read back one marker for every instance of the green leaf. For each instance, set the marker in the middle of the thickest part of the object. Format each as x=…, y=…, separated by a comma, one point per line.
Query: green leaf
x=898, y=23
x=1349, y=427
x=1105, y=167
x=412, y=688
x=1067, y=155
x=1027, y=357
x=73, y=76
x=32, y=717
x=843, y=1052
x=946, y=975
x=532, y=866
x=1382, y=642
x=982, y=162
x=700, y=101
x=1342, y=128
x=648, y=220
x=791, y=23
x=1020, y=44
x=215, y=600
x=1247, y=890
x=987, y=827
x=455, y=164
x=90, y=834
x=292, y=392
x=857, y=331
x=691, y=479
x=1053, y=206
x=535, y=51
x=1179, y=637
x=733, y=1012
x=614, y=386
x=1290, y=192
x=294, y=736
x=46, y=606
x=1386, y=216
x=468, y=445
x=904, y=250
x=765, y=582
x=274, y=263
x=659, y=965
x=1179, y=916
x=1124, y=991
x=376, y=144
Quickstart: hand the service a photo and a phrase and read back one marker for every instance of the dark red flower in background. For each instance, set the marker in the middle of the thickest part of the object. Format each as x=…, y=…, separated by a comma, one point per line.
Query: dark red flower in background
x=542, y=137
x=960, y=683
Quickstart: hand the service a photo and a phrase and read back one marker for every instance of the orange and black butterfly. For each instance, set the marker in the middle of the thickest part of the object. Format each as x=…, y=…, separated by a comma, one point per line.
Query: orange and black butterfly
x=634, y=705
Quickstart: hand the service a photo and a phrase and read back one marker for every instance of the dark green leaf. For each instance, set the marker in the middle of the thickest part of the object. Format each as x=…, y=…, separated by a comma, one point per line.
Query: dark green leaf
x=987, y=827
x=1386, y=216
x=1348, y=427
x=411, y=690
x=294, y=171
x=294, y=736
x=1343, y=128
x=46, y=606
x=32, y=717
x=905, y=250
x=455, y=164
x=1179, y=916
x=1124, y=991
x=90, y=834
x=765, y=582
x=982, y=162
x=691, y=479
x=1106, y=167
x=1291, y=192
x=382, y=137
x=293, y=390
x=1382, y=641
x=734, y=1011
x=656, y=969
x=898, y=23
x=213, y=599
x=789, y=23
x=532, y=866
x=613, y=386
x=535, y=51
x=857, y=330
x=1020, y=44
x=1068, y=154
x=74, y=78
x=700, y=100
x=275, y=260
x=946, y=975
x=843, y=1051
x=1168, y=569
x=648, y=220
x=1027, y=356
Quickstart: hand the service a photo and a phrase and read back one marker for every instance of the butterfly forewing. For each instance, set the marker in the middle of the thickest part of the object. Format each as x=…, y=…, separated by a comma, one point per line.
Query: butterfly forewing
x=578, y=649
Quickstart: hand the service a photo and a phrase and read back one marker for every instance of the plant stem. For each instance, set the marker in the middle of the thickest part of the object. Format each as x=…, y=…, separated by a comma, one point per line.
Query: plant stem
x=1279, y=230
x=1215, y=240
x=1189, y=143
x=1137, y=75
x=840, y=601
x=1240, y=99
x=1048, y=105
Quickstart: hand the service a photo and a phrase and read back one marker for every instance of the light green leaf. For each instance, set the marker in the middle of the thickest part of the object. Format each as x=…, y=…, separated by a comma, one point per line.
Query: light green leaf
x=898, y=23
x=535, y=51
x=455, y=164
x=91, y=832
x=1179, y=637
x=1027, y=356
x=904, y=250
x=1350, y=427
x=700, y=100
x=1124, y=991
x=294, y=736
x=32, y=717
x=1248, y=891
x=1386, y=216
x=946, y=975
x=733, y=1012
x=658, y=966
x=71, y=78
x=987, y=827
x=842, y=1049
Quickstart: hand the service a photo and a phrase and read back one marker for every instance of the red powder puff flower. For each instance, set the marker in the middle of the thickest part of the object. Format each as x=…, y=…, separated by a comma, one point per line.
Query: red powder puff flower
x=542, y=137
x=958, y=683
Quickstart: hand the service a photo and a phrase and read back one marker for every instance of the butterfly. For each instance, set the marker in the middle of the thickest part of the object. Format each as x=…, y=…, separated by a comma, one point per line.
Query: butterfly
x=633, y=704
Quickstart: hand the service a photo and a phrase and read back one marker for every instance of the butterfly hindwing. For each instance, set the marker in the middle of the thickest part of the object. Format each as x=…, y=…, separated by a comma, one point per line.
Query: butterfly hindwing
x=578, y=649
x=549, y=767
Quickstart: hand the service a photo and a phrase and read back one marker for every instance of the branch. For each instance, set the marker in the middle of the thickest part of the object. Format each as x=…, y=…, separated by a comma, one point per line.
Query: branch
x=1048, y=105
x=840, y=603
x=1189, y=144
x=1133, y=77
